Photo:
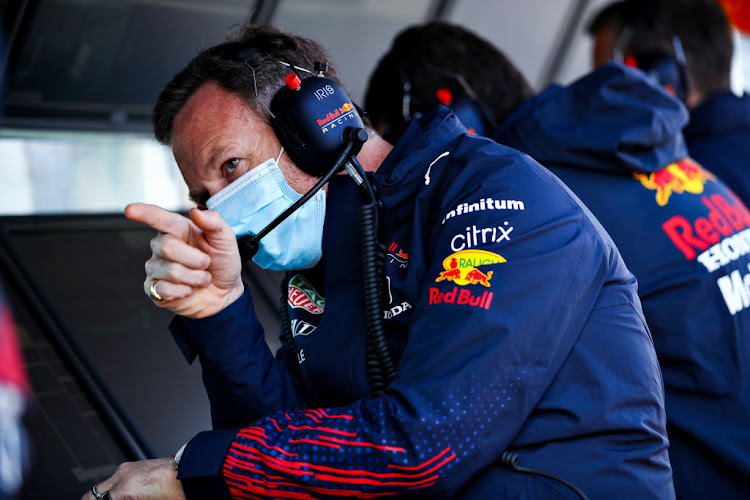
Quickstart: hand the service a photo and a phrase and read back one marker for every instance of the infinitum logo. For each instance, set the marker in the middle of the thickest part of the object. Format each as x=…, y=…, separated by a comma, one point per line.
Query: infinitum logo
x=482, y=205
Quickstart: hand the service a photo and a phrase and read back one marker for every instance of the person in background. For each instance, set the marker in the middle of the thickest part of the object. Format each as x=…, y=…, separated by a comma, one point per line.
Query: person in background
x=514, y=329
x=614, y=138
x=14, y=385
x=718, y=133
x=14, y=392
x=605, y=29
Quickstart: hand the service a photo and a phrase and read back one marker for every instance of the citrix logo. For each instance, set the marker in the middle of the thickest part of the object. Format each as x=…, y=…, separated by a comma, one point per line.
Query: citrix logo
x=475, y=237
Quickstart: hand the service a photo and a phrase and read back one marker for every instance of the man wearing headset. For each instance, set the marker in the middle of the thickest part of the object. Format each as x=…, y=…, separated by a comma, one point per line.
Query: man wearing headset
x=605, y=29
x=614, y=138
x=512, y=323
x=14, y=387
x=718, y=134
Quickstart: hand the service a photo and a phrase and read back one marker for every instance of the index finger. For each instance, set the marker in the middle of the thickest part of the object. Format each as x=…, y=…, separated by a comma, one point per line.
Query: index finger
x=158, y=218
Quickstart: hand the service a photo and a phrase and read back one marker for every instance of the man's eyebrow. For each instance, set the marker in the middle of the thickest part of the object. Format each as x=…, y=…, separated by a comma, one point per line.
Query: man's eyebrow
x=216, y=153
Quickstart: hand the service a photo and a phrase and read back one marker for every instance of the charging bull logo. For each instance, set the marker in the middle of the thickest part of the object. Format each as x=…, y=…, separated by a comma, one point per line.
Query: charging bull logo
x=461, y=267
x=683, y=176
x=397, y=254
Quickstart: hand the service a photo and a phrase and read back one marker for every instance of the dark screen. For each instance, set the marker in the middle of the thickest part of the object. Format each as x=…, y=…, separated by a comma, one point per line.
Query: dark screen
x=109, y=383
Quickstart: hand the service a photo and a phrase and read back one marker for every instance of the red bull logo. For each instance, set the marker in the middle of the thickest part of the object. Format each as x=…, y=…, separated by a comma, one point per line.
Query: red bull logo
x=397, y=254
x=336, y=113
x=461, y=267
x=722, y=220
x=680, y=177
x=461, y=296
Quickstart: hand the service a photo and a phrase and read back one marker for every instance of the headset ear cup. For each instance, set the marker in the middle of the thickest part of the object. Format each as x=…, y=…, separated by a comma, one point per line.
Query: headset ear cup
x=471, y=114
x=287, y=137
x=630, y=61
x=666, y=70
x=309, y=117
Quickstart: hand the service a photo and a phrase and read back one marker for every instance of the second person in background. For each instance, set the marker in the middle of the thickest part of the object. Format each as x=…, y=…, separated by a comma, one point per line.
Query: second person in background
x=614, y=137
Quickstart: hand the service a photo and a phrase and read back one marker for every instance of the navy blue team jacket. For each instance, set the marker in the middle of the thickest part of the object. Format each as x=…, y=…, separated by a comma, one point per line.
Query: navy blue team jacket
x=718, y=137
x=615, y=140
x=514, y=323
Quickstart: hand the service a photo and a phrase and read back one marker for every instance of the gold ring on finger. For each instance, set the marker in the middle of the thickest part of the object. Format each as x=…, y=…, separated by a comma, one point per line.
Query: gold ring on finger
x=153, y=293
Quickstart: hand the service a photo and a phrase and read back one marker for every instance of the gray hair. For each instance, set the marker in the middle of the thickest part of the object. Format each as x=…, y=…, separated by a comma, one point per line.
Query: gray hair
x=251, y=64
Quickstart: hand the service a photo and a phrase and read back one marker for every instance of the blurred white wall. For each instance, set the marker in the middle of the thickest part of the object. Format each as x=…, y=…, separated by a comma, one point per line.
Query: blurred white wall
x=356, y=33
x=52, y=172
x=741, y=64
x=526, y=31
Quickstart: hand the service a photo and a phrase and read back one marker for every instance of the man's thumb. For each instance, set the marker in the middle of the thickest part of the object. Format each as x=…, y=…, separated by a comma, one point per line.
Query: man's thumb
x=216, y=231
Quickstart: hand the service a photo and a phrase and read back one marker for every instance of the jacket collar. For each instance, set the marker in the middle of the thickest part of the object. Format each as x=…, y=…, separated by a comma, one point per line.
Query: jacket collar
x=426, y=139
x=719, y=114
x=613, y=119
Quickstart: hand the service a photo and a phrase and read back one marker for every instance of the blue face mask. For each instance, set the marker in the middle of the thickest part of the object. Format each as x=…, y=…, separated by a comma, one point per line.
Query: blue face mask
x=249, y=203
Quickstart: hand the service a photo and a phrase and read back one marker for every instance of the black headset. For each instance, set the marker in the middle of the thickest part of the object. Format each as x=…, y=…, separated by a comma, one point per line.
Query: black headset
x=463, y=101
x=668, y=68
x=309, y=115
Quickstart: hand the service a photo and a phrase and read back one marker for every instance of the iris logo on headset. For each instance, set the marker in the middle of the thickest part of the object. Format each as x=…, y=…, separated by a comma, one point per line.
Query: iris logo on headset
x=463, y=101
x=321, y=130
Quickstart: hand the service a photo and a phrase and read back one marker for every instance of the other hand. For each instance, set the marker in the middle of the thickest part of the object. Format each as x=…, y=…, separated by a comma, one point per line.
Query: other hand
x=147, y=479
x=195, y=265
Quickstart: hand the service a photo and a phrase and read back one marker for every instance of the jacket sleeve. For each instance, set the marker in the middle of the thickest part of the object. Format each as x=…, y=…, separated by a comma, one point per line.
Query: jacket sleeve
x=482, y=350
x=242, y=378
